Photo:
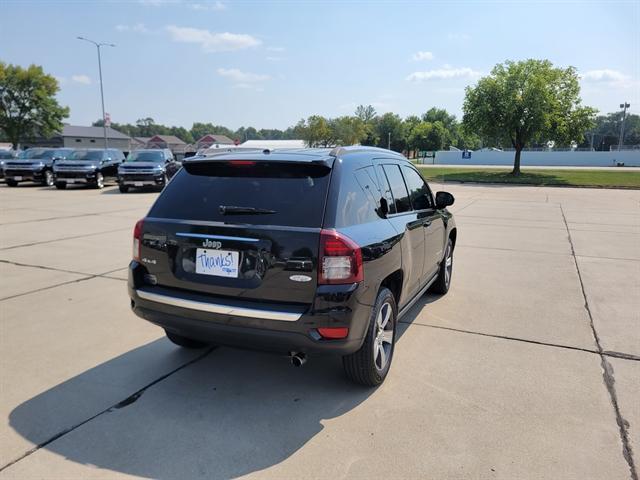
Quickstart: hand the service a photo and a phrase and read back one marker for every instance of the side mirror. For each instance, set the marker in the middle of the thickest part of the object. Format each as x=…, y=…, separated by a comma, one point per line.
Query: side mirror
x=383, y=211
x=444, y=199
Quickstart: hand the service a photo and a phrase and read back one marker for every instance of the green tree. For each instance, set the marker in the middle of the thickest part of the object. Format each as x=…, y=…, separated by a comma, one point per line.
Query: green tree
x=606, y=132
x=527, y=101
x=28, y=107
x=348, y=130
x=315, y=131
x=367, y=114
x=391, y=127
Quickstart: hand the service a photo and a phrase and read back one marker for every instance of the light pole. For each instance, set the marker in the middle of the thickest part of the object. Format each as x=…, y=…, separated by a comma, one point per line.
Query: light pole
x=104, y=119
x=389, y=141
x=624, y=107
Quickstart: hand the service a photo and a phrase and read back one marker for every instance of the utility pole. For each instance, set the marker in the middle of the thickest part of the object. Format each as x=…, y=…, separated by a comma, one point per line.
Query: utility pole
x=624, y=107
x=389, y=141
x=104, y=117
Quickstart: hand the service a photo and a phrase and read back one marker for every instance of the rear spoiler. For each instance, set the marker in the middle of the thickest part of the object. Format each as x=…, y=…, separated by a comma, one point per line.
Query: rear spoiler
x=260, y=156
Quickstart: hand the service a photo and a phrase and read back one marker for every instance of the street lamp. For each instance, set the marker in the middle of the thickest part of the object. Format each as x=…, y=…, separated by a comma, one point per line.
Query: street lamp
x=624, y=107
x=104, y=119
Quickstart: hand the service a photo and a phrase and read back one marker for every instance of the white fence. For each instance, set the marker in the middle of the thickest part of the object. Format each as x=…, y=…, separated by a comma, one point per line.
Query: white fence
x=630, y=158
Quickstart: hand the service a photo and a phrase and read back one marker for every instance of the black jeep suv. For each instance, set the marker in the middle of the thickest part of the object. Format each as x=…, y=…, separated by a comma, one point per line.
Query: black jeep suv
x=294, y=251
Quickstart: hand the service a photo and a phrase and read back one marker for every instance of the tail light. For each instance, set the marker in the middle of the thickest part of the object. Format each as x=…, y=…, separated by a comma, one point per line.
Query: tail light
x=339, y=260
x=333, y=333
x=137, y=239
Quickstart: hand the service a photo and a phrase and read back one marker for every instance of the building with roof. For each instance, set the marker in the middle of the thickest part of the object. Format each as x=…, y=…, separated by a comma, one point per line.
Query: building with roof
x=75, y=136
x=209, y=140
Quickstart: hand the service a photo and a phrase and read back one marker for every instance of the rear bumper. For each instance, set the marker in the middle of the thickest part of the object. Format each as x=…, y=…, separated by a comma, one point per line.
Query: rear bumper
x=253, y=325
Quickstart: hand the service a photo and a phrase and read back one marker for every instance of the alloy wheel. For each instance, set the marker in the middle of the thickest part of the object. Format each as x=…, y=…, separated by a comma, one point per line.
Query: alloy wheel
x=383, y=341
x=448, y=266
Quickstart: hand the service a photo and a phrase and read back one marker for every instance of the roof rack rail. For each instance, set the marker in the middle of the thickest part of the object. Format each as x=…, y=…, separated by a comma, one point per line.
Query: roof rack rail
x=360, y=148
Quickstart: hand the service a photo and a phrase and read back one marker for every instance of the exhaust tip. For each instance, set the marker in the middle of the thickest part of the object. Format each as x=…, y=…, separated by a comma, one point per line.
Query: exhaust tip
x=298, y=359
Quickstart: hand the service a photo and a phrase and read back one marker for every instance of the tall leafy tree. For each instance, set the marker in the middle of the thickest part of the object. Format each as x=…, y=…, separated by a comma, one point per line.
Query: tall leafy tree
x=391, y=127
x=28, y=107
x=348, y=130
x=527, y=101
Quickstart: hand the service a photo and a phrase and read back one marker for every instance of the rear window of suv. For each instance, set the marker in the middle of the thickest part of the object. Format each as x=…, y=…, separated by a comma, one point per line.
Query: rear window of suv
x=295, y=192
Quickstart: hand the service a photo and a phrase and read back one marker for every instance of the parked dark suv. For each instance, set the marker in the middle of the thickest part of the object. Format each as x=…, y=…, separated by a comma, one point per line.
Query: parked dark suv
x=303, y=251
x=34, y=165
x=147, y=168
x=88, y=166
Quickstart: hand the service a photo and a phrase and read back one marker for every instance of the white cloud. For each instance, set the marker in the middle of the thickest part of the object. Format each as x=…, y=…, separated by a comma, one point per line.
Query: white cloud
x=443, y=74
x=242, y=78
x=212, y=41
x=422, y=56
x=82, y=79
x=605, y=76
x=216, y=6
x=137, y=28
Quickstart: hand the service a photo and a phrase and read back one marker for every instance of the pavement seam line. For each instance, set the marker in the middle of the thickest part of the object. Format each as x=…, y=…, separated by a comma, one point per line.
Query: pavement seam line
x=63, y=239
x=623, y=356
x=63, y=217
x=607, y=368
x=123, y=403
x=86, y=276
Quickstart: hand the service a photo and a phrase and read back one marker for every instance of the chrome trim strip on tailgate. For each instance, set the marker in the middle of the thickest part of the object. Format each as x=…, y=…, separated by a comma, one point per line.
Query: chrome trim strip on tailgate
x=217, y=237
x=217, y=308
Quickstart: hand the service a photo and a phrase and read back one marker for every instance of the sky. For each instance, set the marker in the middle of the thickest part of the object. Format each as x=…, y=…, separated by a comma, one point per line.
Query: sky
x=269, y=64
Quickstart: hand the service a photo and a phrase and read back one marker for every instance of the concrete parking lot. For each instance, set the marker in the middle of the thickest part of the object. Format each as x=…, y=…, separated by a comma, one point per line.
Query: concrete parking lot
x=528, y=368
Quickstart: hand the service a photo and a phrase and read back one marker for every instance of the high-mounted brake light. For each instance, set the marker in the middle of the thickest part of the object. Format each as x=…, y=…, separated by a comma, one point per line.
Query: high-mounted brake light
x=137, y=239
x=339, y=259
x=242, y=163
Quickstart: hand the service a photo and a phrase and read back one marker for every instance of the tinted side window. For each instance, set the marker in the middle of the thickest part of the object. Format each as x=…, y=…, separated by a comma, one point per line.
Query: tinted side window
x=358, y=198
x=385, y=188
x=418, y=190
x=398, y=188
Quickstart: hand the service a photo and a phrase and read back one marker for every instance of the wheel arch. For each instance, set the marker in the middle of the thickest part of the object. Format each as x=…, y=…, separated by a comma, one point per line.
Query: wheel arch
x=393, y=282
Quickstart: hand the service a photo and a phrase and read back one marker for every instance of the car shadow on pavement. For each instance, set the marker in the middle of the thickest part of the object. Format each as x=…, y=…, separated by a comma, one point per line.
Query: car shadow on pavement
x=225, y=414
x=230, y=413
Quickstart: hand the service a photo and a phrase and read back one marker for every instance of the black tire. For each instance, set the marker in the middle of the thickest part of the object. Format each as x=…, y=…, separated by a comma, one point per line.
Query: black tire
x=99, y=181
x=12, y=183
x=443, y=282
x=184, y=341
x=123, y=188
x=365, y=366
x=61, y=185
x=47, y=181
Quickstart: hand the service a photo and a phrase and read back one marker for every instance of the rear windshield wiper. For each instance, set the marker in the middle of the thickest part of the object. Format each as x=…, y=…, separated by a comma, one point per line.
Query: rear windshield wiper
x=233, y=210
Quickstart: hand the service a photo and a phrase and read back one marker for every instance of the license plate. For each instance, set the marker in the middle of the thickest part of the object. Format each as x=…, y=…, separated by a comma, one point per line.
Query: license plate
x=70, y=180
x=220, y=263
x=17, y=178
x=137, y=184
